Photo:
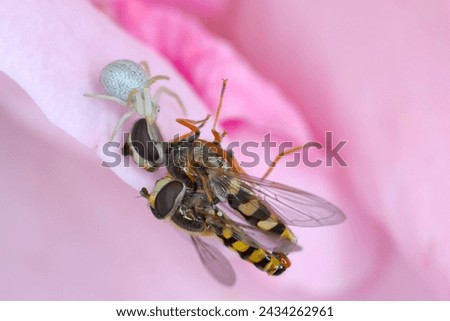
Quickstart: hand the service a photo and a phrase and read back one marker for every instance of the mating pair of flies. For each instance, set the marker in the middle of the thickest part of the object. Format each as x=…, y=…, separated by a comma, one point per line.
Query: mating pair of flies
x=206, y=192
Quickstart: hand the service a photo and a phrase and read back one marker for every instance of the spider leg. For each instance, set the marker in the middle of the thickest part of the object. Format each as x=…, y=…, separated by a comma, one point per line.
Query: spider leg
x=135, y=102
x=146, y=67
x=107, y=97
x=149, y=108
x=154, y=79
x=164, y=90
x=120, y=123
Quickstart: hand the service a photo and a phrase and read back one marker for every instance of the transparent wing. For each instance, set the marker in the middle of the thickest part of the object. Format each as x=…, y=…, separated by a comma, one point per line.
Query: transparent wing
x=294, y=206
x=215, y=262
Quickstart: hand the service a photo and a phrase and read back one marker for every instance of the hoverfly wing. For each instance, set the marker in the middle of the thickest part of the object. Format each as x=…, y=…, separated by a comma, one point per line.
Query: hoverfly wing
x=215, y=262
x=294, y=206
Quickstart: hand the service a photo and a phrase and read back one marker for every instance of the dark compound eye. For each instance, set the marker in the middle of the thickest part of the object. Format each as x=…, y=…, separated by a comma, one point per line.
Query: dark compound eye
x=168, y=199
x=143, y=142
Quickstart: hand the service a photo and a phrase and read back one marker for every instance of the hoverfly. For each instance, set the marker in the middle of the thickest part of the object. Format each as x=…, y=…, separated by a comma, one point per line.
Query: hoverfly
x=207, y=193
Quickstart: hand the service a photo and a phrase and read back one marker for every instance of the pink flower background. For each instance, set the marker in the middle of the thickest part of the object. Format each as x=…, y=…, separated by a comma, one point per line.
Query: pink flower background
x=375, y=73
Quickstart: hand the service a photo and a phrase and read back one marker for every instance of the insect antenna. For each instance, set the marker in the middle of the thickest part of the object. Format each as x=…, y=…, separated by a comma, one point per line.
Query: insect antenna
x=218, y=137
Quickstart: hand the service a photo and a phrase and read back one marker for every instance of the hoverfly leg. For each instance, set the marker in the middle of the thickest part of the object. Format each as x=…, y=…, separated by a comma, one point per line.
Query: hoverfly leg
x=191, y=124
x=277, y=159
x=218, y=137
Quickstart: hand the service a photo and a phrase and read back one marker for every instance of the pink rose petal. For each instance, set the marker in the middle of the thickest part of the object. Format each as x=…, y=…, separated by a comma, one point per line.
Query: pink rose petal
x=84, y=235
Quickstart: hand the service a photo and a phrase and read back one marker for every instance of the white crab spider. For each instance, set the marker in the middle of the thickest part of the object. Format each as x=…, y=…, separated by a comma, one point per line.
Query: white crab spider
x=128, y=84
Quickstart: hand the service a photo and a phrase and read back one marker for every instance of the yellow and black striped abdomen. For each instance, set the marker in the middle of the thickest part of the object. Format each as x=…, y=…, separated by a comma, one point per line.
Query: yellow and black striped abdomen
x=272, y=263
x=256, y=212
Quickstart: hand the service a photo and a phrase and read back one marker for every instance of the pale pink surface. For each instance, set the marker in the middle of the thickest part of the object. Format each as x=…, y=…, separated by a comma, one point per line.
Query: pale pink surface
x=74, y=231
